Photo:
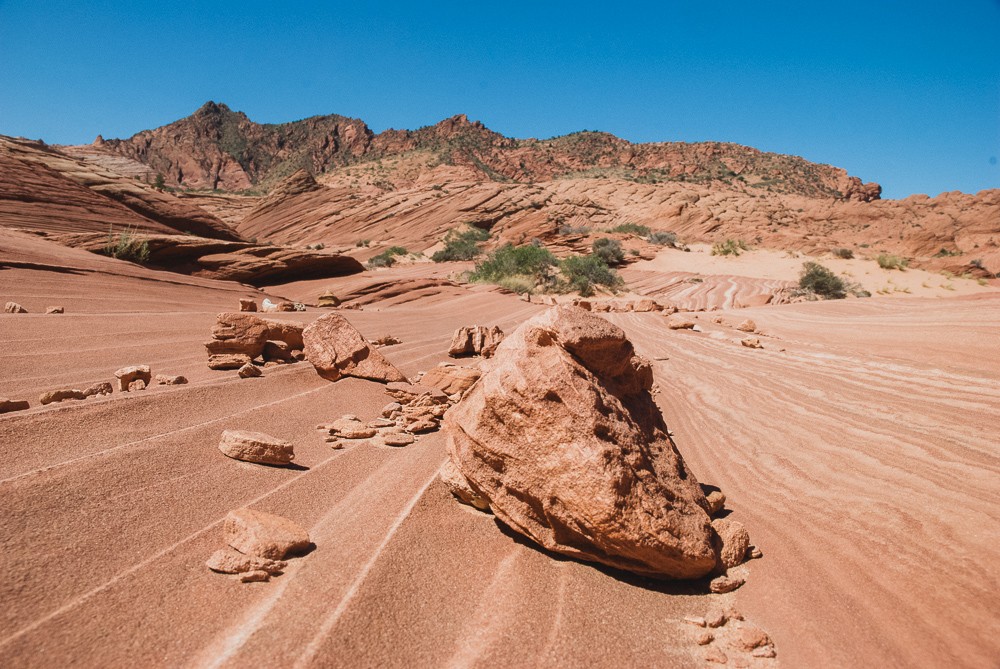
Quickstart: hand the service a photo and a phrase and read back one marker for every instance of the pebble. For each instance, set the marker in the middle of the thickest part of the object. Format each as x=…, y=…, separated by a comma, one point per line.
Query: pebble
x=705, y=638
x=723, y=584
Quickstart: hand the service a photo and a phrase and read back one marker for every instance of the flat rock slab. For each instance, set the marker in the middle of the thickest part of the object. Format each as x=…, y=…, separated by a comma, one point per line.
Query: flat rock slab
x=256, y=447
x=263, y=534
x=7, y=405
x=229, y=561
x=228, y=361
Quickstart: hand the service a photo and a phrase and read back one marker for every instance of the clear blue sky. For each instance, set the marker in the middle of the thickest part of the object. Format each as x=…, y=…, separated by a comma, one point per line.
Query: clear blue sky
x=903, y=93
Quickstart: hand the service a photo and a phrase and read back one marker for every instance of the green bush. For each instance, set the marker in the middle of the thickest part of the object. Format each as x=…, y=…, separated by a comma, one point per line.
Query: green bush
x=387, y=258
x=662, y=238
x=461, y=245
x=730, y=247
x=571, y=230
x=846, y=254
x=126, y=246
x=608, y=250
x=581, y=273
x=888, y=261
x=507, y=261
x=631, y=228
x=820, y=280
x=363, y=242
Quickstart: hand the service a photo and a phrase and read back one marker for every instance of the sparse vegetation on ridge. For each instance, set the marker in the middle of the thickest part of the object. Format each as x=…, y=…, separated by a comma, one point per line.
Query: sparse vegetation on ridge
x=631, y=228
x=126, y=246
x=532, y=268
x=730, y=247
x=461, y=245
x=609, y=250
x=889, y=261
x=387, y=258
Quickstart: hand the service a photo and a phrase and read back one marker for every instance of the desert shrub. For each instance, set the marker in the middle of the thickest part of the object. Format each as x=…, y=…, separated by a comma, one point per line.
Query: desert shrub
x=662, y=238
x=820, y=280
x=530, y=261
x=461, y=245
x=846, y=254
x=944, y=253
x=517, y=284
x=581, y=273
x=978, y=262
x=126, y=246
x=730, y=247
x=631, y=228
x=888, y=261
x=574, y=230
x=387, y=258
x=363, y=242
x=608, y=250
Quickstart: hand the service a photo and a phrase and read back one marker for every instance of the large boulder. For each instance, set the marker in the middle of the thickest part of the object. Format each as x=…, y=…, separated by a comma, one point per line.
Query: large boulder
x=562, y=439
x=336, y=348
x=475, y=340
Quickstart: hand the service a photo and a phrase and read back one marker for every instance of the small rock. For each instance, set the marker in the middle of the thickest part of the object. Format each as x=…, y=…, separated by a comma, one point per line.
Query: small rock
x=335, y=443
x=752, y=342
x=127, y=375
x=7, y=405
x=263, y=534
x=255, y=576
x=680, y=324
x=754, y=553
x=716, y=500
x=54, y=310
x=398, y=439
x=249, y=371
x=731, y=541
x=705, y=638
x=733, y=613
x=268, y=307
x=695, y=620
x=713, y=654
x=643, y=306
x=256, y=447
x=248, y=304
x=386, y=340
x=328, y=299
x=459, y=486
x=228, y=360
x=749, y=637
x=352, y=429
x=747, y=326
x=723, y=584
x=165, y=380
x=380, y=422
x=407, y=393
x=61, y=396
x=99, y=388
x=717, y=619
x=765, y=651
x=14, y=308
x=421, y=426
x=229, y=561
x=138, y=384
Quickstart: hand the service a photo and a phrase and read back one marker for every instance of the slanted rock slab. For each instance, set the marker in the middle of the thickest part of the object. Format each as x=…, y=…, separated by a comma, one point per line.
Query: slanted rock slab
x=335, y=348
x=229, y=561
x=228, y=361
x=451, y=379
x=7, y=405
x=256, y=447
x=61, y=395
x=263, y=534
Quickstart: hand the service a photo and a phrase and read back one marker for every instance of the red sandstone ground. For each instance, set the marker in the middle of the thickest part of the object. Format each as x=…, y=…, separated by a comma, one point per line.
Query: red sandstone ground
x=858, y=447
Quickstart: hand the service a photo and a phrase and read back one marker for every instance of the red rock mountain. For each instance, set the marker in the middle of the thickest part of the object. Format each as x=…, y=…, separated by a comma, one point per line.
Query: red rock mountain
x=217, y=148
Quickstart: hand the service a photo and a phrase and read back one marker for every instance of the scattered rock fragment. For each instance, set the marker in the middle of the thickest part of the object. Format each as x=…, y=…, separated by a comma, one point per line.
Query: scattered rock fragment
x=717, y=619
x=754, y=553
x=764, y=651
x=54, y=310
x=167, y=380
x=406, y=393
x=8, y=405
x=705, y=638
x=697, y=621
x=646, y=305
x=248, y=334
x=328, y=299
x=386, y=340
x=349, y=427
x=749, y=637
x=99, y=388
x=680, y=324
x=277, y=351
x=752, y=342
x=397, y=439
x=255, y=576
x=136, y=385
x=230, y=561
x=336, y=348
x=391, y=408
x=713, y=654
x=731, y=541
x=248, y=304
x=14, y=308
x=723, y=584
x=249, y=371
x=716, y=501
x=228, y=361
x=256, y=447
x=564, y=417
x=475, y=340
x=128, y=375
x=263, y=534
x=61, y=395
x=747, y=326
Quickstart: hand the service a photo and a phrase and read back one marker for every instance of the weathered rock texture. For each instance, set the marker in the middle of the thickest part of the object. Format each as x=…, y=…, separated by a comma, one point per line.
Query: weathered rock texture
x=475, y=340
x=263, y=534
x=256, y=447
x=128, y=375
x=563, y=439
x=336, y=348
x=241, y=333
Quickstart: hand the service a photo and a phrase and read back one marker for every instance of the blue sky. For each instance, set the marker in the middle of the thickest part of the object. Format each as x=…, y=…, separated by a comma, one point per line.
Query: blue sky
x=903, y=93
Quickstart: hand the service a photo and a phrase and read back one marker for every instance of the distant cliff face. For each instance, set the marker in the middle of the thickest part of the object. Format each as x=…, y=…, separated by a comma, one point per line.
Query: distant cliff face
x=217, y=148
